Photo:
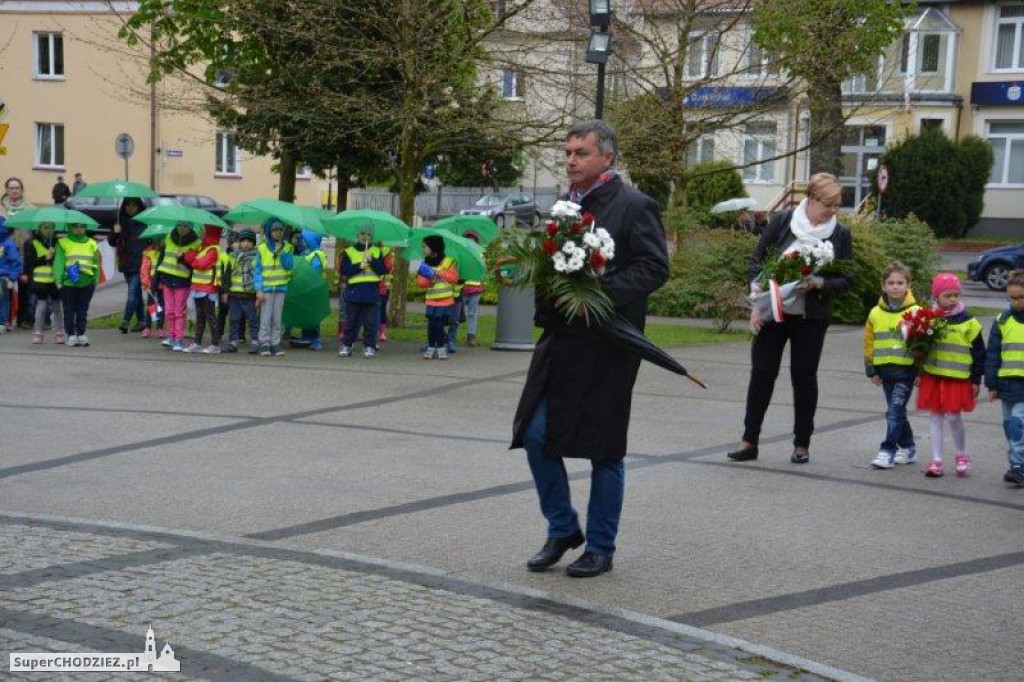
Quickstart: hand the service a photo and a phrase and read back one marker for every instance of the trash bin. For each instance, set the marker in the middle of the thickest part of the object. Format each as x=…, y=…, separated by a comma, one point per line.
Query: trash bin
x=515, y=319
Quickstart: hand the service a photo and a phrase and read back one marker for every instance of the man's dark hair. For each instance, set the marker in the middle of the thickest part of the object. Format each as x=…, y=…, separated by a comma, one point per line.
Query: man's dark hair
x=607, y=140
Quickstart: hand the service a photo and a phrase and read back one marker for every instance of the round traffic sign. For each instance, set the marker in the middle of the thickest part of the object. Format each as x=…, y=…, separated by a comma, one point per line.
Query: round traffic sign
x=883, y=179
x=124, y=145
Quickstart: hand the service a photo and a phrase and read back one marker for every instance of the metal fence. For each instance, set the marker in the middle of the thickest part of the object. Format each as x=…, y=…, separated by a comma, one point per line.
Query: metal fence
x=445, y=200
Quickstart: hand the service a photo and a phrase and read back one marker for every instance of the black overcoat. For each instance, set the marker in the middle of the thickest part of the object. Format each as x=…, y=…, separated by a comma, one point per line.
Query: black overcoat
x=588, y=384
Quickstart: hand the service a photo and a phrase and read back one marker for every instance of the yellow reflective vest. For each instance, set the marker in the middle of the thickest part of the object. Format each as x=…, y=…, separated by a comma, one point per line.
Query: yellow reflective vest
x=83, y=253
x=42, y=274
x=354, y=256
x=952, y=356
x=1011, y=354
x=887, y=347
x=209, y=275
x=274, y=274
x=173, y=262
x=440, y=288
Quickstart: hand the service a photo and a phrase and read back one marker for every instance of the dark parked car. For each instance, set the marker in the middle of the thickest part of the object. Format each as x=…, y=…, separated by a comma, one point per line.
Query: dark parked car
x=502, y=207
x=104, y=209
x=200, y=201
x=993, y=266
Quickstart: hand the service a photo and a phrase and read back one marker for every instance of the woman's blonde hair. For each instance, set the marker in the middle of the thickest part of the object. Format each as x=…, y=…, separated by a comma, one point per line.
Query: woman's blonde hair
x=823, y=186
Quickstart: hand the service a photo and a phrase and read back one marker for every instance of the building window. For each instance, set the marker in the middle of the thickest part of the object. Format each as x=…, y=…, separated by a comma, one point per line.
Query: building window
x=511, y=84
x=760, y=62
x=935, y=124
x=758, y=146
x=1010, y=37
x=1007, y=141
x=227, y=154
x=304, y=172
x=928, y=50
x=701, y=56
x=700, y=150
x=223, y=77
x=49, y=145
x=49, y=55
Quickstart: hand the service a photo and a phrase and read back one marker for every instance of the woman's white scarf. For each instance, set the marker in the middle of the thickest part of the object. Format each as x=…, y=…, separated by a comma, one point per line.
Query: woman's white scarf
x=805, y=233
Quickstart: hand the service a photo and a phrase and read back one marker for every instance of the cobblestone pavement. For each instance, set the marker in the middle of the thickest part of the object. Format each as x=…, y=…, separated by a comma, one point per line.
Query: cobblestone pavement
x=244, y=610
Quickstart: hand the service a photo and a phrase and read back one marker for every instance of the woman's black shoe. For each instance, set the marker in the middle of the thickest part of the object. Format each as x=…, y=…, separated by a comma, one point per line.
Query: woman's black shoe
x=743, y=454
x=800, y=457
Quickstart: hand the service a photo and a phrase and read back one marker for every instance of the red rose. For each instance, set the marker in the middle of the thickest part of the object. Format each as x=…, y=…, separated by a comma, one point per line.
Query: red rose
x=587, y=217
x=552, y=229
x=578, y=228
x=597, y=259
x=550, y=246
x=805, y=270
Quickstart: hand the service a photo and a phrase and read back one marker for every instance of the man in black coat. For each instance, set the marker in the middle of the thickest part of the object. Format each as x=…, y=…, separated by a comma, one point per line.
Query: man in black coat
x=576, y=401
x=60, y=192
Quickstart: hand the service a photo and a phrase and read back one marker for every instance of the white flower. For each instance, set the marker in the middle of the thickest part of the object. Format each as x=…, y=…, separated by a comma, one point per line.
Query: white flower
x=592, y=240
x=608, y=251
x=559, y=261
x=565, y=209
x=603, y=234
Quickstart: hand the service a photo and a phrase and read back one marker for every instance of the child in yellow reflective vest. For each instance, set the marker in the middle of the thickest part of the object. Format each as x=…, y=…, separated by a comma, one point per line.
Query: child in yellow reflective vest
x=273, y=272
x=204, y=262
x=888, y=364
x=952, y=375
x=438, y=275
x=39, y=255
x=76, y=269
x=1004, y=374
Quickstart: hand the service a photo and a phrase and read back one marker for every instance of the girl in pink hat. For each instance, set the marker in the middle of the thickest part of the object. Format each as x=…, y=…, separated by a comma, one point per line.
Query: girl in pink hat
x=952, y=374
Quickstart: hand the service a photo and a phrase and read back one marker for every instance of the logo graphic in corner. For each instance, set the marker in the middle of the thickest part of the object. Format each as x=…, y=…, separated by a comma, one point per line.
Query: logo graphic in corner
x=1013, y=93
x=147, y=661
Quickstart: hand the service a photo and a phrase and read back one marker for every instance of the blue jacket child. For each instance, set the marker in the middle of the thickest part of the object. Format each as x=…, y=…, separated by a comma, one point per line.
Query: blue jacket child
x=270, y=245
x=10, y=271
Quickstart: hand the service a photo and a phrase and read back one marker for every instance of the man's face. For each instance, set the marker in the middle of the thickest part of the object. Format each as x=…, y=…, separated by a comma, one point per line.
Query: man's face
x=584, y=162
x=14, y=190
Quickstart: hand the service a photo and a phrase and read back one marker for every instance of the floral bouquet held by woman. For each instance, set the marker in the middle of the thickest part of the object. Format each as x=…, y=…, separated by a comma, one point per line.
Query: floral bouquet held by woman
x=783, y=281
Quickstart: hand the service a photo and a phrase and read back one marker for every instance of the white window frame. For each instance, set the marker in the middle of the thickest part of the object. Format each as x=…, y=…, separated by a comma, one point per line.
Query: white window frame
x=512, y=82
x=695, y=151
x=225, y=145
x=1014, y=139
x=710, y=51
x=56, y=159
x=304, y=172
x=759, y=60
x=761, y=173
x=49, y=74
x=1017, y=61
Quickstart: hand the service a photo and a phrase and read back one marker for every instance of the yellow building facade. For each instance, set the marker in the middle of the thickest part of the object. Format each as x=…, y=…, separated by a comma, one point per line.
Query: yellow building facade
x=70, y=87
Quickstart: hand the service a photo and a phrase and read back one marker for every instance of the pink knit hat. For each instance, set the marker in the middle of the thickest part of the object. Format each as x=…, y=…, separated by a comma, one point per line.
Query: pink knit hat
x=943, y=282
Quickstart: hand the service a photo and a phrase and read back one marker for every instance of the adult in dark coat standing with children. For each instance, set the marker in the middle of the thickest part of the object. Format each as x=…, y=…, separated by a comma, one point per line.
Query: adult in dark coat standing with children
x=576, y=401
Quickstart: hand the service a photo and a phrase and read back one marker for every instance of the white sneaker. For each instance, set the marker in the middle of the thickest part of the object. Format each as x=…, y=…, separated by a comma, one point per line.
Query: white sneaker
x=369, y=352
x=442, y=353
x=211, y=349
x=905, y=456
x=83, y=340
x=883, y=460
x=72, y=340
x=429, y=353
x=193, y=348
x=345, y=351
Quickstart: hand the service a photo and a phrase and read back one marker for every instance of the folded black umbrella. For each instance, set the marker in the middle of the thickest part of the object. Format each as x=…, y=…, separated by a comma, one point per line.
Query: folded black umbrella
x=619, y=332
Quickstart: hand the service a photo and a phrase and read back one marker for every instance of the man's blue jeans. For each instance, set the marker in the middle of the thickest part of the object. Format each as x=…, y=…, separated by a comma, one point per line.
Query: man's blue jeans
x=607, y=485
x=898, y=433
x=1013, y=427
x=134, y=305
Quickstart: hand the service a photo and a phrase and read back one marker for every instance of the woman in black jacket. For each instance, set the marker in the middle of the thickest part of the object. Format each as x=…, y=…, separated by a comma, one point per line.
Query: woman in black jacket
x=812, y=220
x=125, y=239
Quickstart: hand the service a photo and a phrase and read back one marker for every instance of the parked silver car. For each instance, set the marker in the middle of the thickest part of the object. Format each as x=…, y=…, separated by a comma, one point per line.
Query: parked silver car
x=519, y=207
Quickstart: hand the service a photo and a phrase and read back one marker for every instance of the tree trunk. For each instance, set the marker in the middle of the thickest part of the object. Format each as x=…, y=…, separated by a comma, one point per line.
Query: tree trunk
x=406, y=171
x=825, y=104
x=286, y=185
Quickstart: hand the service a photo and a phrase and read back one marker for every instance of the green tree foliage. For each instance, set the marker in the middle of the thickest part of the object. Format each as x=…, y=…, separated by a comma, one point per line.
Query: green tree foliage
x=913, y=243
x=940, y=181
x=709, y=183
x=824, y=42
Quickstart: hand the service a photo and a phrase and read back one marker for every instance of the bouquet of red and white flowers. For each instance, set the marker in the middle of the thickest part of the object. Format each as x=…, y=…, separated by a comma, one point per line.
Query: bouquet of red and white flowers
x=564, y=262
x=922, y=329
x=781, y=280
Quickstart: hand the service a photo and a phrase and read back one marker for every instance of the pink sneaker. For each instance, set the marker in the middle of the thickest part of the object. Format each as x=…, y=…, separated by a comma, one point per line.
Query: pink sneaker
x=161, y=333
x=963, y=464
x=58, y=337
x=145, y=333
x=934, y=469
x=37, y=337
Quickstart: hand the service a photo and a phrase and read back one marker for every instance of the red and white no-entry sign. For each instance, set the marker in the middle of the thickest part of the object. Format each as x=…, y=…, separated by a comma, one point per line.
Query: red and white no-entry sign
x=883, y=179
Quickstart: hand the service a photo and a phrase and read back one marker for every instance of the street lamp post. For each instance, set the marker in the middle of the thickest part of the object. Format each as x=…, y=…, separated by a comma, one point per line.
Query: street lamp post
x=600, y=46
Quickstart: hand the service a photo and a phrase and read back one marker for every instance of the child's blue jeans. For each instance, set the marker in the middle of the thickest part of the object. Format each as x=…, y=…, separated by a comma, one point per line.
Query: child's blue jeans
x=898, y=433
x=1013, y=427
x=5, y=300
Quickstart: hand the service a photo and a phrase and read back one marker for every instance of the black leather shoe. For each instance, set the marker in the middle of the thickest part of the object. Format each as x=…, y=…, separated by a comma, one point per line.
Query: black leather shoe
x=553, y=550
x=743, y=454
x=800, y=457
x=589, y=565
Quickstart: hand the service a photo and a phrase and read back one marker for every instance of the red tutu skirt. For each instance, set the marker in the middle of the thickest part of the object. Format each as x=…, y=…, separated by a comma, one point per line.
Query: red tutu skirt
x=945, y=395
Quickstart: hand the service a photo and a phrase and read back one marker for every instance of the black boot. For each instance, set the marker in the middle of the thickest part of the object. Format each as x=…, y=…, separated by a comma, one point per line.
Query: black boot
x=553, y=550
x=589, y=565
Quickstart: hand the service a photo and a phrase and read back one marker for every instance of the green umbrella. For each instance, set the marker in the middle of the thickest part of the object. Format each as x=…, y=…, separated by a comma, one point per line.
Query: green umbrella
x=161, y=216
x=118, y=189
x=158, y=230
x=386, y=227
x=62, y=218
x=258, y=211
x=307, y=301
x=481, y=226
x=468, y=255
